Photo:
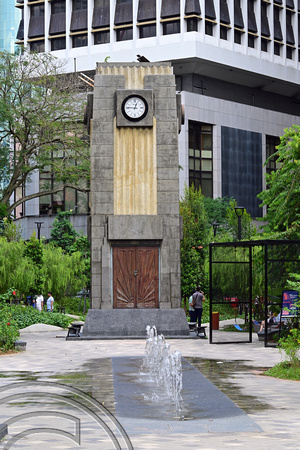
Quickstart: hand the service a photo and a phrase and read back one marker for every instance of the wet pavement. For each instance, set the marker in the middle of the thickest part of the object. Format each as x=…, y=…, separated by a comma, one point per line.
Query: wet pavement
x=87, y=394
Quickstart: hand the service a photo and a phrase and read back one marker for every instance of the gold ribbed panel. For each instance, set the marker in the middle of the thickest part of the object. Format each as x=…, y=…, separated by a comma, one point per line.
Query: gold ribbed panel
x=134, y=74
x=135, y=179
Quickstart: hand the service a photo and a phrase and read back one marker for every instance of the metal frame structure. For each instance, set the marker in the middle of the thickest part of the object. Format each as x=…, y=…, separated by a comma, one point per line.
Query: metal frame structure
x=276, y=256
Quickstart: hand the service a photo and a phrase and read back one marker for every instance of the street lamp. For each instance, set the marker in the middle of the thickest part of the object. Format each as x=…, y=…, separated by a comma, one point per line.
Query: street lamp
x=215, y=227
x=38, y=225
x=239, y=210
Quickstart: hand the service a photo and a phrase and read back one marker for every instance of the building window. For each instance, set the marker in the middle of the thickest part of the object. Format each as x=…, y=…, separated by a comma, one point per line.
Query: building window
x=171, y=27
x=265, y=29
x=37, y=46
x=101, y=37
x=237, y=36
x=58, y=7
x=271, y=143
x=147, y=30
x=264, y=45
x=289, y=52
x=224, y=12
x=36, y=23
x=252, y=27
x=278, y=36
x=290, y=38
x=192, y=24
x=200, y=157
x=65, y=200
x=78, y=5
x=277, y=48
x=209, y=28
x=223, y=33
x=57, y=24
x=79, y=16
x=101, y=3
x=124, y=34
x=58, y=44
x=251, y=40
x=37, y=11
x=80, y=40
x=101, y=22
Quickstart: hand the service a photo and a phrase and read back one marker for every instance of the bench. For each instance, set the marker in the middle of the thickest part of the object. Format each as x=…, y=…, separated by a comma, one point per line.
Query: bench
x=200, y=331
x=270, y=331
x=20, y=345
x=74, y=329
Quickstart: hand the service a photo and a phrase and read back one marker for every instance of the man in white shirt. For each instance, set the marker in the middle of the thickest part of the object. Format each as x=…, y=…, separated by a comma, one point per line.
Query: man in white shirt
x=50, y=302
x=39, y=302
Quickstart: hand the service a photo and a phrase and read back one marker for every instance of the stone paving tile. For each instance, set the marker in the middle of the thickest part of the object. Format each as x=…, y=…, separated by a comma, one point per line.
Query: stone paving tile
x=47, y=356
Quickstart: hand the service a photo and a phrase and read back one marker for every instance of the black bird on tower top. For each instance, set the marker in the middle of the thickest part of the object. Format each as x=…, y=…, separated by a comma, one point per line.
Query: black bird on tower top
x=142, y=58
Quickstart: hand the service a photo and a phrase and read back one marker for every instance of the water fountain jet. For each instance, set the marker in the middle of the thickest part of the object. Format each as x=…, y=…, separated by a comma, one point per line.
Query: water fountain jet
x=162, y=368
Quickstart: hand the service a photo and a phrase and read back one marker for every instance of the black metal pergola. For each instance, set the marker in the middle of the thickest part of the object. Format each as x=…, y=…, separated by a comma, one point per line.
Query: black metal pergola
x=250, y=273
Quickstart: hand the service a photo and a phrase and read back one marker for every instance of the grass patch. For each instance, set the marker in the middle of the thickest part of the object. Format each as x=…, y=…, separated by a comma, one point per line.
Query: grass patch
x=285, y=370
x=245, y=327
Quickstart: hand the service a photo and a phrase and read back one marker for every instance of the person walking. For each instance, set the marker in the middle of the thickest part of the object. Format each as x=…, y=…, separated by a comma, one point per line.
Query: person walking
x=191, y=308
x=198, y=298
x=39, y=302
x=50, y=302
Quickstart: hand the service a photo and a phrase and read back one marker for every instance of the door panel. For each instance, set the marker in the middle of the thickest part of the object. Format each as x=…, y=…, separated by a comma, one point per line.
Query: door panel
x=124, y=283
x=147, y=278
x=135, y=277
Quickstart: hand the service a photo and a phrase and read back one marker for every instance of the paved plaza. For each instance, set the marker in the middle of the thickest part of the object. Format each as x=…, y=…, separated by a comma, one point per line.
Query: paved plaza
x=88, y=394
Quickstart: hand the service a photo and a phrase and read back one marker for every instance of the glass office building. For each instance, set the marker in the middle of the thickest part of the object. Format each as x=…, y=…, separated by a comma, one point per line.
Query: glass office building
x=9, y=23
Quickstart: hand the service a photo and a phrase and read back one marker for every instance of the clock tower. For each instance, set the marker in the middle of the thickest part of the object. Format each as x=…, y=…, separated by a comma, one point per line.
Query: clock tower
x=135, y=223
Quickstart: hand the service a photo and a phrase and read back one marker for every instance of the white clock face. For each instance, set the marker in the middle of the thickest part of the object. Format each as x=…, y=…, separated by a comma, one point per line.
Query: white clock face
x=135, y=108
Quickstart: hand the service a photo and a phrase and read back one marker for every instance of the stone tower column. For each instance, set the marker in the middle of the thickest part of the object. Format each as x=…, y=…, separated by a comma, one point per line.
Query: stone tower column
x=135, y=223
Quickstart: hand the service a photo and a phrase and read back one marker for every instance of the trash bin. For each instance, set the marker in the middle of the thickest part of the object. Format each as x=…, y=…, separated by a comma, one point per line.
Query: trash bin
x=215, y=321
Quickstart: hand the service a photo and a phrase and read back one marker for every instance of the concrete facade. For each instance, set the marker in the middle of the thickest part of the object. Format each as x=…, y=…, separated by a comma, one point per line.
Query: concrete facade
x=228, y=74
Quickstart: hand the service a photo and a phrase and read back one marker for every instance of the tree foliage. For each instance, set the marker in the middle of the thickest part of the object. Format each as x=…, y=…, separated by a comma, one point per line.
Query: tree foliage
x=10, y=230
x=283, y=192
x=34, y=251
x=15, y=270
x=40, y=115
x=23, y=266
x=63, y=234
x=216, y=209
x=64, y=274
x=248, y=230
x=194, y=242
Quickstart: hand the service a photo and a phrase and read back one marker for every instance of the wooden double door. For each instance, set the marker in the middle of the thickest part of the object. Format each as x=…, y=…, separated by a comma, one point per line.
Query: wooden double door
x=135, y=277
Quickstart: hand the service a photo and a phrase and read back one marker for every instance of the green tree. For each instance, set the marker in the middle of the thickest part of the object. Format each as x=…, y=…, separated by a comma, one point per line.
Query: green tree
x=216, y=209
x=282, y=194
x=16, y=270
x=34, y=251
x=40, y=113
x=10, y=230
x=194, y=242
x=63, y=234
x=64, y=273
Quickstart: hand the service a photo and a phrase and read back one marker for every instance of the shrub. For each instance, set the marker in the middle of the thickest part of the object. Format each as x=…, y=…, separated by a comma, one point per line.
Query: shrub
x=290, y=345
x=8, y=295
x=23, y=317
x=9, y=332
